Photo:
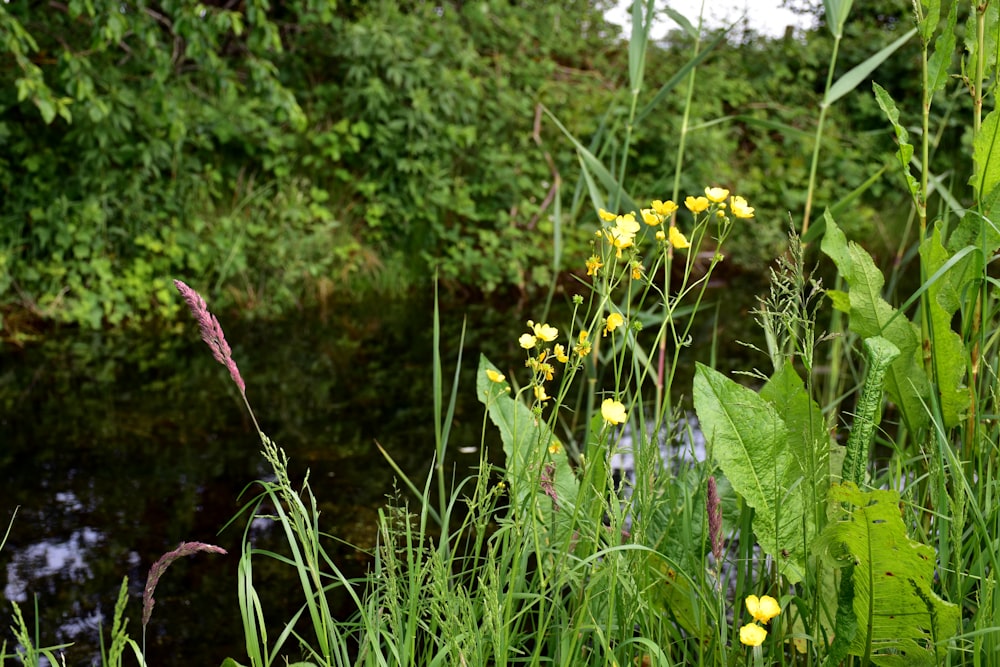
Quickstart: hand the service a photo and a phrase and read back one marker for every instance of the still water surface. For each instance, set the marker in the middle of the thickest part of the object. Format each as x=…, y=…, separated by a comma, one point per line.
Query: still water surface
x=115, y=448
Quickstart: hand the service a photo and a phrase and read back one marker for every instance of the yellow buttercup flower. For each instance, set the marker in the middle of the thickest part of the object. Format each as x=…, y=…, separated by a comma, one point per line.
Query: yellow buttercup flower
x=582, y=346
x=740, y=207
x=613, y=322
x=593, y=264
x=716, y=195
x=494, y=376
x=763, y=609
x=752, y=634
x=696, y=204
x=678, y=240
x=636, y=270
x=555, y=447
x=605, y=215
x=664, y=208
x=650, y=218
x=527, y=341
x=544, y=331
x=613, y=411
x=540, y=394
x=559, y=352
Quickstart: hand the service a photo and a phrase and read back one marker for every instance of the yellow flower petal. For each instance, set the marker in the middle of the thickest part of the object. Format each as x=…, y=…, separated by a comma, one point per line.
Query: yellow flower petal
x=664, y=208
x=540, y=394
x=650, y=218
x=613, y=411
x=494, y=376
x=716, y=195
x=763, y=609
x=752, y=634
x=606, y=216
x=613, y=322
x=740, y=208
x=678, y=240
x=527, y=341
x=696, y=204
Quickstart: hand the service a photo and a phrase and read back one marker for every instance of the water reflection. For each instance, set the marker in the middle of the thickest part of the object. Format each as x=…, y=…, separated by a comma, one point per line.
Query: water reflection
x=119, y=447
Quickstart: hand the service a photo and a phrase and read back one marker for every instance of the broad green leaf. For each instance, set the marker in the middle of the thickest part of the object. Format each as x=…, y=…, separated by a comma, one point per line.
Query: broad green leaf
x=932, y=14
x=854, y=76
x=905, y=151
x=944, y=49
x=808, y=438
x=749, y=441
x=947, y=350
x=976, y=231
x=871, y=315
x=901, y=620
x=986, y=157
x=536, y=461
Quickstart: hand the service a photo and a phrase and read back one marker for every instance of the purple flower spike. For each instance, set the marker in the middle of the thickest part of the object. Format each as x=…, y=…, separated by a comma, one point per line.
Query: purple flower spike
x=211, y=333
x=160, y=566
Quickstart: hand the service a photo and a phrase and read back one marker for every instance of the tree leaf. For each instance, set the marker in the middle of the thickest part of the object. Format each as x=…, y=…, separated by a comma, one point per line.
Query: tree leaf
x=749, y=441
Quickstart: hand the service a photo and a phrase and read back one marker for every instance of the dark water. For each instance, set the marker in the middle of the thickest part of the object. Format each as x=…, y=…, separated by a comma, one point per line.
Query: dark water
x=118, y=447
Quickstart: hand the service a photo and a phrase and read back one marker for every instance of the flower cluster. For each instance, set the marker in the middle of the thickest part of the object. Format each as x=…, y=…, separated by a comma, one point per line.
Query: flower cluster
x=763, y=609
x=540, y=355
x=621, y=234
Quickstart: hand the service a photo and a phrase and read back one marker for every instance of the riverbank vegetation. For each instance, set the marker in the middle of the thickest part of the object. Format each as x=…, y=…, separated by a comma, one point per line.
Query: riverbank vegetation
x=287, y=156
x=835, y=504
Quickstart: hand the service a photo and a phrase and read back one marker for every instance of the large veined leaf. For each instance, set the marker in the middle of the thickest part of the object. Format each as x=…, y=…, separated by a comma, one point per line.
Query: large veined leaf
x=537, y=463
x=749, y=442
x=871, y=315
x=900, y=619
x=986, y=156
x=949, y=357
x=808, y=438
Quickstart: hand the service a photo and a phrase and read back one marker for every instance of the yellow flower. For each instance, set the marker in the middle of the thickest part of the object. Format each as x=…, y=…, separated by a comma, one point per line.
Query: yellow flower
x=740, y=208
x=555, y=447
x=650, y=218
x=540, y=394
x=636, y=270
x=527, y=341
x=593, y=264
x=627, y=224
x=544, y=331
x=763, y=609
x=547, y=370
x=716, y=195
x=752, y=634
x=696, y=204
x=613, y=322
x=660, y=235
x=582, y=347
x=664, y=208
x=678, y=240
x=560, y=353
x=605, y=216
x=619, y=240
x=613, y=411
x=494, y=376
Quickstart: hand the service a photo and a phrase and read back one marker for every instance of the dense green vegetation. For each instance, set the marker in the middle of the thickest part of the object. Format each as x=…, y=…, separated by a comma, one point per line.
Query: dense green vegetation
x=283, y=154
x=838, y=508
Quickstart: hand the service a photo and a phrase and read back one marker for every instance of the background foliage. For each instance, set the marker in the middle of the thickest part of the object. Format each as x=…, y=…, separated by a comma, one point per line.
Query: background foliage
x=280, y=154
